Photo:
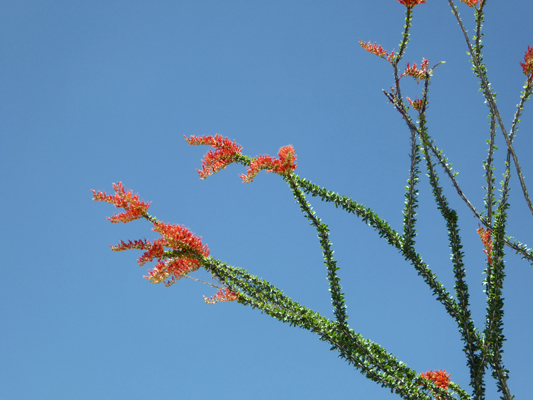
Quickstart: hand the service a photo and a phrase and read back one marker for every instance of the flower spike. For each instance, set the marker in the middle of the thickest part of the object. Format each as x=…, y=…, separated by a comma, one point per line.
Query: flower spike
x=174, y=265
x=527, y=65
x=471, y=3
x=175, y=268
x=439, y=378
x=169, y=263
x=417, y=73
x=377, y=50
x=180, y=238
x=221, y=295
x=285, y=165
x=411, y=3
x=416, y=104
x=153, y=249
x=134, y=207
x=214, y=161
x=185, y=249
x=486, y=239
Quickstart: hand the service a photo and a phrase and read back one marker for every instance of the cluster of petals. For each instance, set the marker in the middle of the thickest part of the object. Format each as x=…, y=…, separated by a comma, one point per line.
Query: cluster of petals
x=415, y=72
x=214, y=161
x=175, y=268
x=471, y=3
x=486, y=239
x=221, y=295
x=153, y=249
x=411, y=3
x=184, y=246
x=180, y=238
x=377, y=50
x=284, y=165
x=134, y=208
x=177, y=238
x=527, y=65
x=416, y=104
x=439, y=378
x=174, y=237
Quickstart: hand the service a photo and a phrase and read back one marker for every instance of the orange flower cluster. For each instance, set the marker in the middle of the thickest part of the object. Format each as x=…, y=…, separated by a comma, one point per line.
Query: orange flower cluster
x=227, y=151
x=471, y=3
x=486, y=239
x=184, y=247
x=214, y=161
x=174, y=237
x=416, y=104
x=527, y=65
x=439, y=378
x=411, y=3
x=415, y=72
x=377, y=50
x=153, y=249
x=175, y=268
x=134, y=208
x=221, y=295
x=286, y=164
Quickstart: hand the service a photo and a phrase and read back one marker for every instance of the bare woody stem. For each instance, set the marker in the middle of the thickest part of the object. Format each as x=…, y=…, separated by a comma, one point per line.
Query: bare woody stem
x=493, y=107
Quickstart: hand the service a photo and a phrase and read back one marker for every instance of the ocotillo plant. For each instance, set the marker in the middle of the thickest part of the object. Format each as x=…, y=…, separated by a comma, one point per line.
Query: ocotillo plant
x=179, y=252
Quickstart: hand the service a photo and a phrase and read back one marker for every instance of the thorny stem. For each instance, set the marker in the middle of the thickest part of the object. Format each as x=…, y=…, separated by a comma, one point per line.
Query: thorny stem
x=325, y=328
x=493, y=106
x=409, y=230
x=403, y=45
x=450, y=174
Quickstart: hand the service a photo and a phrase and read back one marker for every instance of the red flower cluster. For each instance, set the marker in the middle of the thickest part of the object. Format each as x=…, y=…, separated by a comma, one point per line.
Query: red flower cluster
x=174, y=237
x=471, y=3
x=527, y=65
x=227, y=151
x=416, y=104
x=377, y=50
x=221, y=295
x=439, y=378
x=134, y=207
x=214, y=161
x=411, y=3
x=415, y=72
x=486, y=239
x=283, y=166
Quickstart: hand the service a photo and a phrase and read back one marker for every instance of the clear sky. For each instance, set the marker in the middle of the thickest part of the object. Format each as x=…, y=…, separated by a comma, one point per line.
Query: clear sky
x=103, y=91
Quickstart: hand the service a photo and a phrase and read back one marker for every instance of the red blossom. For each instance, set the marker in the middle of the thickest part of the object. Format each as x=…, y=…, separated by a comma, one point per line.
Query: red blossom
x=175, y=268
x=154, y=249
x=134, y=207
x=138, y=244
x=416, y=104
x=411, y=3
x=527, y=65
x=285, y=164
x=214, y=161
x=174, y=237
x=222, y=295
x=173, y=264
x=377, y=50
x=471, y=3
x=415, y=72
x=486, y=239
x=439, y=378
x=180, y=238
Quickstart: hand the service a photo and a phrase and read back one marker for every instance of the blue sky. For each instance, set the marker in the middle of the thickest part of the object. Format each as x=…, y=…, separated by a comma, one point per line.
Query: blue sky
x=98, y=92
